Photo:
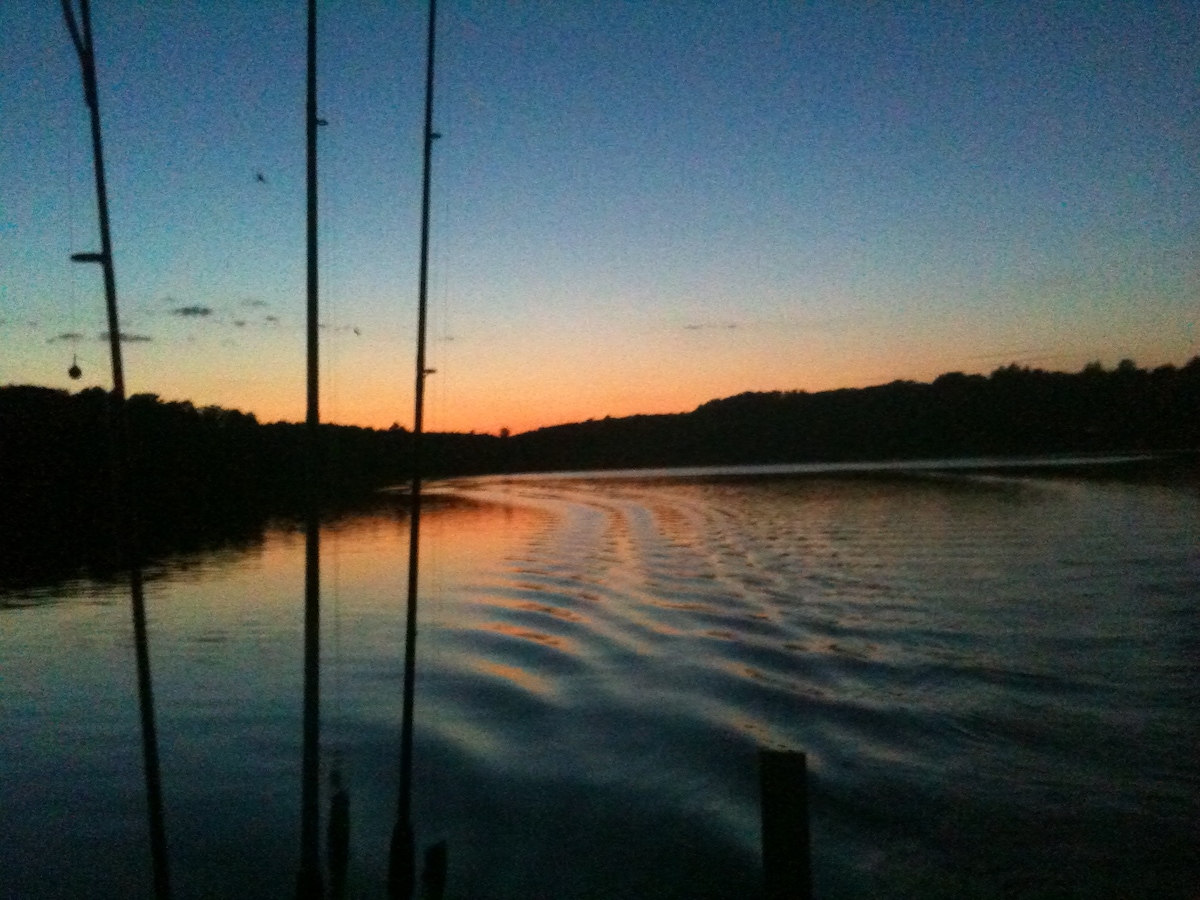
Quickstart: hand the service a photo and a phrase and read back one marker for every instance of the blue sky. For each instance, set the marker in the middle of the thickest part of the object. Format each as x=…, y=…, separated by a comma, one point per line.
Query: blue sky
x=637, y=207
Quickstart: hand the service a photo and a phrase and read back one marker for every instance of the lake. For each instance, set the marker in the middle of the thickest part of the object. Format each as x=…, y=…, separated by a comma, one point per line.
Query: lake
x=996, y=678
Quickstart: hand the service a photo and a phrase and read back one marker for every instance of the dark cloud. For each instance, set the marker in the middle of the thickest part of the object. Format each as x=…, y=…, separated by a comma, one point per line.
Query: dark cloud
x=191, y=312
x=65, y=336
x=240, y=323
x=127, y=338
x=272, y=319
x=705, y=326
x=255, y=304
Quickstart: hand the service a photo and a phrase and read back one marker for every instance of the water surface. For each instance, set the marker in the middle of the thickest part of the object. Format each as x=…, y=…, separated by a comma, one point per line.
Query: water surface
x=994, y=678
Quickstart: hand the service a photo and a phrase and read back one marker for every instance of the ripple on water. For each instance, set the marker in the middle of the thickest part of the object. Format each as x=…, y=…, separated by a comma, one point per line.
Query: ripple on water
x=995, y=685
x=922, y=639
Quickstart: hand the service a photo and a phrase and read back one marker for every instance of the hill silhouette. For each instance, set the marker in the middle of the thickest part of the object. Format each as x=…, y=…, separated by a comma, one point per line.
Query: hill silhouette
x=207, y=471
x=1015, y=411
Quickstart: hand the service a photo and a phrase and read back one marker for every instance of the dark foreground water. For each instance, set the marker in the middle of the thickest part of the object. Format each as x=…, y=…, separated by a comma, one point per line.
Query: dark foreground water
x=996, y=678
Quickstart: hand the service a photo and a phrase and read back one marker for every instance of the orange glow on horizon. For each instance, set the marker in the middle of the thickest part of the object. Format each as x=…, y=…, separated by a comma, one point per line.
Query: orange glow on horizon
x=524, y=398
x=551, y=379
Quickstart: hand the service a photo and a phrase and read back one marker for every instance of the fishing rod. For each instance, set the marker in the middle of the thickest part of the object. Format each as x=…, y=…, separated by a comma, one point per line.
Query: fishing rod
x=125, y=516
x=309, y=884
x=401, y=865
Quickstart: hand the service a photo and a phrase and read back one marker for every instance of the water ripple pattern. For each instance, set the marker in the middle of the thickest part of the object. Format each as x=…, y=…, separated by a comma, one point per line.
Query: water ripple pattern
x=960, y=655
x=995, y=679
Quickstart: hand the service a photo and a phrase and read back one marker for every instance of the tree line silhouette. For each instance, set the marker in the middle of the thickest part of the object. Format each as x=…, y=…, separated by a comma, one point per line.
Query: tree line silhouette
x=206, y=473
x=1016, y=411
x=199, y=475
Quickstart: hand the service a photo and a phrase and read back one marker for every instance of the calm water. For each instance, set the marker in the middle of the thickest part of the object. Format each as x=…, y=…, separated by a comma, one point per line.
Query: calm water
x=995, y=678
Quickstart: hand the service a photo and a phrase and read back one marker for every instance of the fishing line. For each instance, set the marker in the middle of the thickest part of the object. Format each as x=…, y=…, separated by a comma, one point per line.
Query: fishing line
x=73, y=278
x=332, y=239
x=338, y=674
x=438, y=356
x=331, y=235
x=446, y=227
x=443, y=267
x=434, y=617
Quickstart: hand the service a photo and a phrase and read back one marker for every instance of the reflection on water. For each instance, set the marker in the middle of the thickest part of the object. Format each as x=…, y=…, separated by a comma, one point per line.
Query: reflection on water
x=994, y=677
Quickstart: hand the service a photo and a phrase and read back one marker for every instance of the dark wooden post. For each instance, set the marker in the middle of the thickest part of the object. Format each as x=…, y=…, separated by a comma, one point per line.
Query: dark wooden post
x=787, y=867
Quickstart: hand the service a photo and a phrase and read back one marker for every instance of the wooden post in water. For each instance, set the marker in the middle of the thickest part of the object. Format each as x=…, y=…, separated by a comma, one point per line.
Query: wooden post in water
x=787, y=866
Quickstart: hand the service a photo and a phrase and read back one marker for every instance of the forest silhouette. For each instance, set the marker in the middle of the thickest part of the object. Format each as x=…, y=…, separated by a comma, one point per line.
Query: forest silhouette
x=208, y=474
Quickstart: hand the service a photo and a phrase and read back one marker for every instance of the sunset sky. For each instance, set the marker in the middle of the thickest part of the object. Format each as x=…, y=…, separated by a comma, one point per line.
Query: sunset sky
x=638, y=206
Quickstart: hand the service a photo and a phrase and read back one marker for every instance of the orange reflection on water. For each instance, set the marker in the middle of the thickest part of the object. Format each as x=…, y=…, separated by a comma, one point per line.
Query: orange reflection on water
x=517, y=676
x=460, y=540
x=548, y=640
x=556, y=611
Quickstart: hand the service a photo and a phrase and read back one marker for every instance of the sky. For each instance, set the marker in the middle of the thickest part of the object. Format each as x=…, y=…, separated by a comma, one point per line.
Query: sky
x=637, y=206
